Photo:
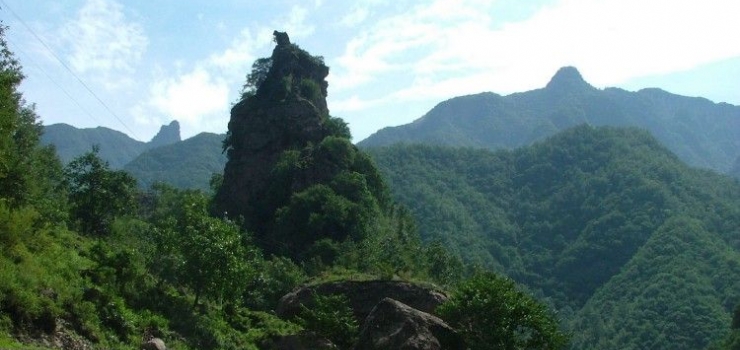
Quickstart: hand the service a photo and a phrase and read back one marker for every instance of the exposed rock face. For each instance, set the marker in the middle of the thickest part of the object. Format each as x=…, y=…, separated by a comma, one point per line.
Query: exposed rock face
x=154, y=344
x=167, y=135
x=288, y=111
x=394, y=325
x=363, y=296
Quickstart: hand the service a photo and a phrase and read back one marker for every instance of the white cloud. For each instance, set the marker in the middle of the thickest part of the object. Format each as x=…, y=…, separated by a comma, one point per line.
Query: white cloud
x=189, y=97
x=454, y=47
x=104, y=43
x=295, y=23
x=355, y=17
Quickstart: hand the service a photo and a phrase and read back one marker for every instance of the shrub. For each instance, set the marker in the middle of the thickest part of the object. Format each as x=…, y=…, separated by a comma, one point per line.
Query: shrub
x=492, y=313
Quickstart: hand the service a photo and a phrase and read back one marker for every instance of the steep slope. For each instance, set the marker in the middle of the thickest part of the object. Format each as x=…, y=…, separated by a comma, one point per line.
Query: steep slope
x=292, y=173
x=700, y=132
x=115, y=147
x=735, y=171
x=574, y=218
x=187, y=164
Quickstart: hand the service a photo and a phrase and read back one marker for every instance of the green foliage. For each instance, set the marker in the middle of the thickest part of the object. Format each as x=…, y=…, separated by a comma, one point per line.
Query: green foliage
x=570, y=219
x=338, y=127
x=260, y=69
x=97, y=193
x=700, y=132
x=207, y=254
x=492, y=313
x=188, y=164
x=310, y=90
x=331, y=317
x=274, y=278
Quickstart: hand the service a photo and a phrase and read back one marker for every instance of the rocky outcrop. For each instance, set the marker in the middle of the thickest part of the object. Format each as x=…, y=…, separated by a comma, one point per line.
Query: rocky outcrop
x=363, y=296
x=167, y=135
x=154, y=344
x=394, y=325
x=287, y=112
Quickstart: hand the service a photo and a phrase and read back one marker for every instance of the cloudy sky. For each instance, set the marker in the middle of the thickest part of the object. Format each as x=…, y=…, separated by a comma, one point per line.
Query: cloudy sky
x=137, y=64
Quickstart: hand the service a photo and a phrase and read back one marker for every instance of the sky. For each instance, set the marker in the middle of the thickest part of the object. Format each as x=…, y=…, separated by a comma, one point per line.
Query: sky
x=135, y=65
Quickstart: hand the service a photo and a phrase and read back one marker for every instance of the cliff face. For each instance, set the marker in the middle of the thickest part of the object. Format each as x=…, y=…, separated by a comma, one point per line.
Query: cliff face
x=287, y=112
x=167, y=135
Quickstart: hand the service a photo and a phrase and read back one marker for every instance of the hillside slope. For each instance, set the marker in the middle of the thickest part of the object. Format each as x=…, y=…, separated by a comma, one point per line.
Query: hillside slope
x=589, y=219
x=115, y=147
x=187, y=164
x=700, y=132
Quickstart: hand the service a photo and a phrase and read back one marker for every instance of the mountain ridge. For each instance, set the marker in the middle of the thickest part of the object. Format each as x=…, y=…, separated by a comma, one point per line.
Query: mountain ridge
x=578, y=218
x=701, y=132
x=116, y=147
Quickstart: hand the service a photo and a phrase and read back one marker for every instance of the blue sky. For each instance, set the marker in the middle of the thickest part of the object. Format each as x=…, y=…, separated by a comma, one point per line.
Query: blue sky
x=135, y=65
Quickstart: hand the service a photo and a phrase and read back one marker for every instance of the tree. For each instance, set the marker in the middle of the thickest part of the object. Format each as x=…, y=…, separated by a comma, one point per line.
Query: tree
x=492, y=313
x=209, y=255
x=97, y=193
x=257, y=76
x=27, y=170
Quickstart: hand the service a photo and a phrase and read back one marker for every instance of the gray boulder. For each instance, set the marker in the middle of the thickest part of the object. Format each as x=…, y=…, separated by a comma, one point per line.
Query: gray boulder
x=362, y=296
x=394, y=325
x=154, y=344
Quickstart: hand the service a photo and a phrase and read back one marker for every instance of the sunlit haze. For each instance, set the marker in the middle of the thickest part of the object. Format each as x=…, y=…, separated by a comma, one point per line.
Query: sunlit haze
x=135, y=65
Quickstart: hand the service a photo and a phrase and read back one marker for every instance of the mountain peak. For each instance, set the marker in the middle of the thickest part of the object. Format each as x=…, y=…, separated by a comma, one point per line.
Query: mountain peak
x=568, y=78
x=168, y=134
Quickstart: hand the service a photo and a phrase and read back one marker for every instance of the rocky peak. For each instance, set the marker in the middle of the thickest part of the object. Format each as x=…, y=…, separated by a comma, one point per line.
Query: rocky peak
x=568, y=79
x=288, y=111
x=168, y=134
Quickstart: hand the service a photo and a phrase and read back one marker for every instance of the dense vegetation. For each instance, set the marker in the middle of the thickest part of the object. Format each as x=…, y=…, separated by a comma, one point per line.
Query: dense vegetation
x=116, y=147
x=629, y=244
x=700, y=132
x=87, y=260
x=188, y=164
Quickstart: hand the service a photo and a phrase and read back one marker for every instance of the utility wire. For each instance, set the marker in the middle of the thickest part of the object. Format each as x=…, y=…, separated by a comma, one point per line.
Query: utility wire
x=68, y=69
x=40, y=68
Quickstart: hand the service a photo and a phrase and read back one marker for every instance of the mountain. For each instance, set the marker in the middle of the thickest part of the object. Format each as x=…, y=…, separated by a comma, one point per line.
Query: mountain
x=735, y=171
x=183, y=164
x=167, y=135
x=700, y=132
x=633, y=247
x=293, y=177
x=115, y=147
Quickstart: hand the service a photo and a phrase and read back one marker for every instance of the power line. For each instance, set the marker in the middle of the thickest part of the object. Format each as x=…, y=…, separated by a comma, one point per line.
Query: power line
x=68, y=69
x=40, y=68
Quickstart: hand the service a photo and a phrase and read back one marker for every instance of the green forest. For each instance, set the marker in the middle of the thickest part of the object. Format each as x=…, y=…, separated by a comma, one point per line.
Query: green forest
x=593, y=238
x=89, y=259
x=632, y=247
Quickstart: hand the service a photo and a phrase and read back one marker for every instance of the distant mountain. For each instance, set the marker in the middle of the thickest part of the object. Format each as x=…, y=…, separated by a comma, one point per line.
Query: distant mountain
x=700, y=132
x=735, y=171
x=184, y=164
x=167, y=135
x=633, y=247
x=115, y=147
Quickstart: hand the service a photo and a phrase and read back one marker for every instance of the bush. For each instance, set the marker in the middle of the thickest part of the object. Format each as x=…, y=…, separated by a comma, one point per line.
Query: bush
x=492, y=313
x=331, y=317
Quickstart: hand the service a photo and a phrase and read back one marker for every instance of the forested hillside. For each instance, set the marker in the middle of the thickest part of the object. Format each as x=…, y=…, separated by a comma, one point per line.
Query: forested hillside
x=700, y=132
x=90, y=261
x=187, y=164
x=115, y=147
x=633, y=247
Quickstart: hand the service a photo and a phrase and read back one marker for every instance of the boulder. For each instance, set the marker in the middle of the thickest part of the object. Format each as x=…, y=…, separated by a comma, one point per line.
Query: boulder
x=362, y=296
x=394, y=325
x=154, y=344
